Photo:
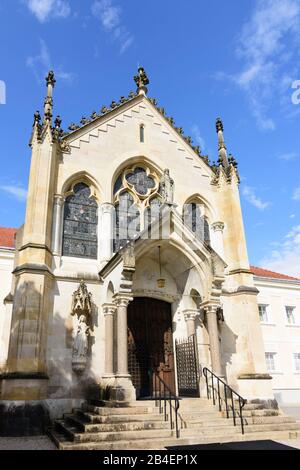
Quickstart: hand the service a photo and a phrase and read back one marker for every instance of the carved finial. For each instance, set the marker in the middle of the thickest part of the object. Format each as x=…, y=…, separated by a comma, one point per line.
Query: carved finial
x=141, y=81
x=73, y=127
x=84, y=120
x=104, y=110
x=94, y=115
x=50, y=80
x=221, y=143
x=36, y=118
x=48, y=104
x=219, y=125
x=57, y=122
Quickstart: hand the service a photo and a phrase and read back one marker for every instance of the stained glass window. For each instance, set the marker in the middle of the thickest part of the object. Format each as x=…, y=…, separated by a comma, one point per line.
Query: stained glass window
x=197, y=223
x=140, y=181
x=127, y=220
x=80, y=224
x=152, y=212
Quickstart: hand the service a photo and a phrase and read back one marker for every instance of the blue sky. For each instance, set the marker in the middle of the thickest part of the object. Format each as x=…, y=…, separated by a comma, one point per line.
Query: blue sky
x=236, y=59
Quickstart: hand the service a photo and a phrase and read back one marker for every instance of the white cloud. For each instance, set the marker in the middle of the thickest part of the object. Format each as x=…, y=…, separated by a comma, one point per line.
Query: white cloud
x=110, y=16
x=41, y=63
x=198, y=137
x=296, y=194
x=250, y=196
x=107, y=13
x=288, y=156
x=47, y=9
x=286, y=259
x=267, y=47
x=19, y=193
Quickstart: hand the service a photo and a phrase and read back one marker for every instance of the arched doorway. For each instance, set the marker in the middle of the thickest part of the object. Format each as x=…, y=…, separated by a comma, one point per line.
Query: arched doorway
x=150, y=344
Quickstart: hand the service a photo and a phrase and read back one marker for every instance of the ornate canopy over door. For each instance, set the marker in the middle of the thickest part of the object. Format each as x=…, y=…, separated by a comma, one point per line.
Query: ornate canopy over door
x=80, y=223
x=150, y=344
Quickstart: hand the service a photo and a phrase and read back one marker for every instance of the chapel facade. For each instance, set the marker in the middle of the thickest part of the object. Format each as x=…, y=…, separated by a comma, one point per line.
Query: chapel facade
x=133, y=243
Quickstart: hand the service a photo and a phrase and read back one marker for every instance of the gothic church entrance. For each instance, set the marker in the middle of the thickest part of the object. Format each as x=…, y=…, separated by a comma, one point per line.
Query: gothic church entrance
x=150, y=344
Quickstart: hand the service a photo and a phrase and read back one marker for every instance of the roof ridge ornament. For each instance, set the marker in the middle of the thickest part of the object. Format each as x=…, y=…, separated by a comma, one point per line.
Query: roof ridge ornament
x=221, y=144
x=48, y=103
x=141, y=81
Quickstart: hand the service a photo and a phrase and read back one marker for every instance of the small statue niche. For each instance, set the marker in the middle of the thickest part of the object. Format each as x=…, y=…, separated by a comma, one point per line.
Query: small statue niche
x=82, y=309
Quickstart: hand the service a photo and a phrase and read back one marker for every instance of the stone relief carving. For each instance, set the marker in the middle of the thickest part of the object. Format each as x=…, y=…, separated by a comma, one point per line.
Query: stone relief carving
x=82, y=308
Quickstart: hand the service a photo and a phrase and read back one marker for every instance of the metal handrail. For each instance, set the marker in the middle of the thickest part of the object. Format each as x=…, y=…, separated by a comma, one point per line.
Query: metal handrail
x=164, y=397
x=228, y=396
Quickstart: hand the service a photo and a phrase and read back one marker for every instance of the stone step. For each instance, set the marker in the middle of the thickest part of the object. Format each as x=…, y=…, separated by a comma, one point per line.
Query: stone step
x=199, y=415
x=71, y=432
x=157, y=444
x=95, y=418
x=250, y=428
x=103, y=411
x=153, y=443
x=269, y=419
x=116, y=427
x=249, y=413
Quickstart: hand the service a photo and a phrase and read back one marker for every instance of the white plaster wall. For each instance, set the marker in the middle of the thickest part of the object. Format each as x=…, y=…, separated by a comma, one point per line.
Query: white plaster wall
x=281, y=338
x=6, y=267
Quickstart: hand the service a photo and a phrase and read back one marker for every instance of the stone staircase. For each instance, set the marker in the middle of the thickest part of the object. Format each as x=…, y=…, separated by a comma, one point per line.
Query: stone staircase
x=140, y=426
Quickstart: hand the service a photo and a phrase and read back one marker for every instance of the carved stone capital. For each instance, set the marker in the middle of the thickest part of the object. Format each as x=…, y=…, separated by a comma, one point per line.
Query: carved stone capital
x=218, y=226
x=109, y=309
x=58, y=199
x=107, y=207
x=190, y=314
x=122, y=300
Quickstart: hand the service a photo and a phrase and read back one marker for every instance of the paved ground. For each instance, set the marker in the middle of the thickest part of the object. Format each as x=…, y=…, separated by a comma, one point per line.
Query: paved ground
x=26, y=443
x=44, y=443
x=245, y=445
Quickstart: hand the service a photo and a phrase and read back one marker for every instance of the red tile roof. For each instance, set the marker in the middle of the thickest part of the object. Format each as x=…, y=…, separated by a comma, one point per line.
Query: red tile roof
x=7, y=237
x=266, y=273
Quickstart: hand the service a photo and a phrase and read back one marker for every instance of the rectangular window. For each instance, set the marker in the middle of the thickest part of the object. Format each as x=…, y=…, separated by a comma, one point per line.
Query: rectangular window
x=290, y=315
x=270, y=360
x=297, y=361
x=263, y=314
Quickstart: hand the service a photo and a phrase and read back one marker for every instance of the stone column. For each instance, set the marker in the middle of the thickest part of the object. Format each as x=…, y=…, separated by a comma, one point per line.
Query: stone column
x=218, y=244
x=122, y=353
x=123, y=390
x=190, y=317
x=109, y=311
x=212, y=325
x=106, y=232
x=57, y=224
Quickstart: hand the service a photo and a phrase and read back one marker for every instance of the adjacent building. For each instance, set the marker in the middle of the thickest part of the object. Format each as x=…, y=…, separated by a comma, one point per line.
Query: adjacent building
x=279, y=313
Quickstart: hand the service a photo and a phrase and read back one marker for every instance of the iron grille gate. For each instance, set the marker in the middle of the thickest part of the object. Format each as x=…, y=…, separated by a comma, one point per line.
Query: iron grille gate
x=187, y=367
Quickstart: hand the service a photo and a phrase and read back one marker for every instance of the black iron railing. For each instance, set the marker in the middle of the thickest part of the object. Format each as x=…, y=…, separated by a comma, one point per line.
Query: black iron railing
x=225, y=396
x=166, y=400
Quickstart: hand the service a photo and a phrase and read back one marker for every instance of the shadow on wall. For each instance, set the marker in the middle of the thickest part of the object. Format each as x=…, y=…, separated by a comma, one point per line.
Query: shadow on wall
x=65, y=388
x=228, y=349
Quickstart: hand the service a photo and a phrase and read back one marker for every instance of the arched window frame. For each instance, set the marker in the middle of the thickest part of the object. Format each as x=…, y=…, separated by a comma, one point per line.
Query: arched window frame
x=93, y=195
x=141, y=201
x=204, y=235
x=142, y=133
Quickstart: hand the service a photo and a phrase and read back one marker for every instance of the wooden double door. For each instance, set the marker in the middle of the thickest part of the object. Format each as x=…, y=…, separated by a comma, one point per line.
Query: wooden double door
x=150, y=344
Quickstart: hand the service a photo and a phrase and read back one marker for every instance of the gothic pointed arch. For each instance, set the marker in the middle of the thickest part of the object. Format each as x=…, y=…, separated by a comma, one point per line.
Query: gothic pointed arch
x=137, y=200
x=80, y=223
x=195, y=216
